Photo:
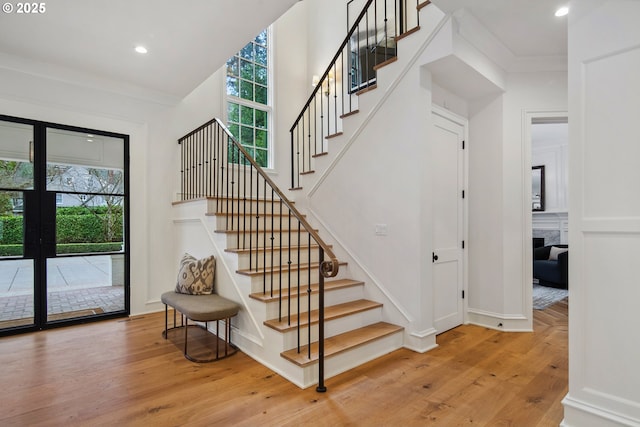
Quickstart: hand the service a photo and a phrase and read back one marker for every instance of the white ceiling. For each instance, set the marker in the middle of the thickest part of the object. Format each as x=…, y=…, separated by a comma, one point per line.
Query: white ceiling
x=95, y=39
x=527, y=28
x=90, y=43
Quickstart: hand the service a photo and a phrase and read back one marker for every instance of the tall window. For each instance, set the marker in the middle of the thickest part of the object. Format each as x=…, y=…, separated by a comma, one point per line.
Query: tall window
x=249, y=99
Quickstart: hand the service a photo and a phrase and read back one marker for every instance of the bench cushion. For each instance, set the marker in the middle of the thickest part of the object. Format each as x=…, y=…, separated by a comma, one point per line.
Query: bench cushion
x=201, y=308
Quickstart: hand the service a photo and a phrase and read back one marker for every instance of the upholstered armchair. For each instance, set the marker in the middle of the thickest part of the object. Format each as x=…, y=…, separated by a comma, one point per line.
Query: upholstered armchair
x=551, y=266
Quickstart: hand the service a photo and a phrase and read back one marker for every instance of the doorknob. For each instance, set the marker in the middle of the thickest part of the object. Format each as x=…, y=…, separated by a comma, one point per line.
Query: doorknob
x=434, y=257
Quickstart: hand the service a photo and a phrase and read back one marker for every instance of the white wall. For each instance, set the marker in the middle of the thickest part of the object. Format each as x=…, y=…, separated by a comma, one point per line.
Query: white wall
x=486, y=252
x=291, y=86
x=550, y=148
x=604, y=380
x=379, y=181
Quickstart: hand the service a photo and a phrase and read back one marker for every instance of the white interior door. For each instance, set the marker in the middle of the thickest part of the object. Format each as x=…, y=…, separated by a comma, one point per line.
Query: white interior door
x=448, y=223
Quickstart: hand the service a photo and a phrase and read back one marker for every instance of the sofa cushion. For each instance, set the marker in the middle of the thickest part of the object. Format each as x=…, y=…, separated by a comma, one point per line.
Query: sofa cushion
x=195, y=276
x=548, y=271
x=555, y=251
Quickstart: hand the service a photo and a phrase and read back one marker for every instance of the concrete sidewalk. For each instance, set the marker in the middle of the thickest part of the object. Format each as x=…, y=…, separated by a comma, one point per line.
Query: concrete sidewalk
x=73, y=284
x=16, y=276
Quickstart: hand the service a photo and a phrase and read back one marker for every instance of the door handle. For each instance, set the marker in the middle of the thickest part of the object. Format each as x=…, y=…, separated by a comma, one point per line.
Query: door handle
x=434, y=257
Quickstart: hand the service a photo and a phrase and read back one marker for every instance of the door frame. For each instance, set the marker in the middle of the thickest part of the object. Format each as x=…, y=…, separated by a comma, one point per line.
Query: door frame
x=528, y=117
x=464, y=123
x=43, y=212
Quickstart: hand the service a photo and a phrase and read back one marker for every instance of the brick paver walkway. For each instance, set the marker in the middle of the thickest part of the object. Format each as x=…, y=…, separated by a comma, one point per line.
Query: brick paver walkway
x=107, y=298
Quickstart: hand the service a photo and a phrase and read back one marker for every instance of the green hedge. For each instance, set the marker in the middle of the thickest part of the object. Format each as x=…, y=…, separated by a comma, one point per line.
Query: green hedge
x=83, y=210
x=76, y=248
x=11, y=230
x=89, y=248
x=11, y=250
x=70, y=228
x=87, y=229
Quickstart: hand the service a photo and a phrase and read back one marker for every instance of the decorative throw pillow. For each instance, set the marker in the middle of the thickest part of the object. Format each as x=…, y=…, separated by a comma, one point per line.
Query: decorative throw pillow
x=196, y=275
x=555, y=251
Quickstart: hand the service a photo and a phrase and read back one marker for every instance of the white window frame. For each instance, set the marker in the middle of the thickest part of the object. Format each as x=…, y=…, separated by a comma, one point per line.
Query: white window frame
x=252, y=104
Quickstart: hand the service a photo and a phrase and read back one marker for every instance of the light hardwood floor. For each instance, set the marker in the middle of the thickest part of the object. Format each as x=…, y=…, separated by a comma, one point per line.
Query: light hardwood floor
x=124, y=373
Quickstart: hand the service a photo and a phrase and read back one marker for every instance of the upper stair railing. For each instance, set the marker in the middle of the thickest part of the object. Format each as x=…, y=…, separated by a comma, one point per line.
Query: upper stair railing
x=264, y=223
x=370, y=43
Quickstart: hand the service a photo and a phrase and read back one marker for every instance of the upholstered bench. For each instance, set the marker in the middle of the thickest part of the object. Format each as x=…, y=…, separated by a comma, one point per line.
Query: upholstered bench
x=201, y=308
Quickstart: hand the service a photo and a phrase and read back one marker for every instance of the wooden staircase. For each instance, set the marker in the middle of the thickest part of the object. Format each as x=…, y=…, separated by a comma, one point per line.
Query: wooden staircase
x=353, y=324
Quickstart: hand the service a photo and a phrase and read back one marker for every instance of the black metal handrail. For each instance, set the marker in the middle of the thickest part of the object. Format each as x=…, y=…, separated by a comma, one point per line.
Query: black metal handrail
x=369, y=43
x=213, y=164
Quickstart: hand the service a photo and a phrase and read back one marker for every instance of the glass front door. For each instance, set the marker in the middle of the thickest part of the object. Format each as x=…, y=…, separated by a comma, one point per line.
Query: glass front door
x=63, y=232
x=17, y=263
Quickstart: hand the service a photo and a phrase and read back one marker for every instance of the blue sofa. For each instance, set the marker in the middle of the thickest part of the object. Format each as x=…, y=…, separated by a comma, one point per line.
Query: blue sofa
x=552, y=273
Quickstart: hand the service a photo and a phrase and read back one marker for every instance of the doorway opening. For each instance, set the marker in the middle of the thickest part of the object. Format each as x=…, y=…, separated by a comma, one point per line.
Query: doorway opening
x=548, y=189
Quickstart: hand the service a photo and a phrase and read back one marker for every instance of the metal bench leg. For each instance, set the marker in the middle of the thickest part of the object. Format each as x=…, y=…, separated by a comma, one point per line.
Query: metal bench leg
x=166, y=322
x=186, y=328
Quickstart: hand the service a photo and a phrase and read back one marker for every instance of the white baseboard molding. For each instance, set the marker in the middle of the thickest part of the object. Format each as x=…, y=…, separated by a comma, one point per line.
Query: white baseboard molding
x=253, y=348
x=499, y=321
x=420, y=341
x=578, y=413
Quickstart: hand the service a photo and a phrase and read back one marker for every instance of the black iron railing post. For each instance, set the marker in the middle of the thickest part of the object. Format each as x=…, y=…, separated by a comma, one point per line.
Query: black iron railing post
x=321, y=387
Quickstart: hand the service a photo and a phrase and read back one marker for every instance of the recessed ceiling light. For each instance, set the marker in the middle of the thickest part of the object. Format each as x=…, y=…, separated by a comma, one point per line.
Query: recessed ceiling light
x=562, y=11
x=141, y=49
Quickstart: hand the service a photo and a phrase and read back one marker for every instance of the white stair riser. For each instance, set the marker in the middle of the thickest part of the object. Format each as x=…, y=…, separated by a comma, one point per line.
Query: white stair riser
x=257, y=240
x=259, y=281
x=275, y=257
x=253, y=222
x=333, y=297
x=248, y=206
x=352, y=358
x=333, y=327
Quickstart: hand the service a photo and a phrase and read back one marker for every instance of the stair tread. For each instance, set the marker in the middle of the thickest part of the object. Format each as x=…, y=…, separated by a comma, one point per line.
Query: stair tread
x=384, y=63
x=280, y=230
x=277, y=268
x=424, y=4
x=329, y=285
x=252, y=199
x=230, y=199
x=330, y=313
x=341, y=343
x=350, y=113
x=367, y=89
x=251, y=214
x=408, y=33
x=275, y=248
